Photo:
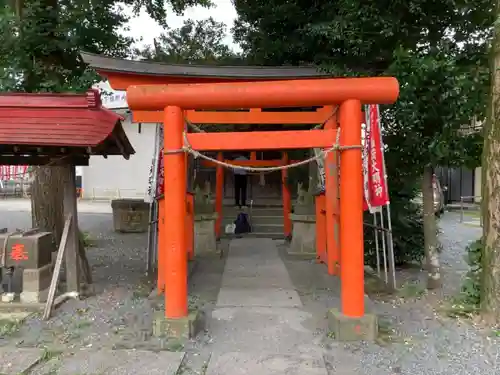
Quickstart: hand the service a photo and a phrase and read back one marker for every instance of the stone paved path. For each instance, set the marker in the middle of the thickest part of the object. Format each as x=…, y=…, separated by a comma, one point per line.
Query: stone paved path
x=257, y=322
x=16, y=361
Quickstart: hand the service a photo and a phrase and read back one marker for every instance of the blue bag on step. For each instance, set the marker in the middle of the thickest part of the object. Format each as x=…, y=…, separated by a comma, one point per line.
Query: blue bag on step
x=242, y=224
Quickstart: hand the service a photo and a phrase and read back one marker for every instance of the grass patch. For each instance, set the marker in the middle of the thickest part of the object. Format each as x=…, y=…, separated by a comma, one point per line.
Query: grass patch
x=143, y=289
x=411, y=289
x=87, y=239
x=460, y=307
x=472, y=213
x=9, y=327
x=467, y=303
x=375, y=287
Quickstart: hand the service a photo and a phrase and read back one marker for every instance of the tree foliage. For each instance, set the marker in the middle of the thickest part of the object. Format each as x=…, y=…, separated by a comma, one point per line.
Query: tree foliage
x=40, y=41
x=435, y=49
x=195, y=42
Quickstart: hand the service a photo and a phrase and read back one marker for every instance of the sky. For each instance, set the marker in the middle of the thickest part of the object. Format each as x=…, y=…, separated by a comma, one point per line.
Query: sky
x=144, y=27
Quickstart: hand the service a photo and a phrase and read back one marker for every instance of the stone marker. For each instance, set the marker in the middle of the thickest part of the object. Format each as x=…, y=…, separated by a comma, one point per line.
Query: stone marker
x=266, y=364
x=36, y=283
x=130, y=215
x=15, y=361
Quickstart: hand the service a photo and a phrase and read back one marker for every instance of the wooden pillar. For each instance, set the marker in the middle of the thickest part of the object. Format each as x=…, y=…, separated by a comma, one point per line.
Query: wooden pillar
x=287, y=200
x=190, y=225
x=332, y=203
x=219, y=191
x=160, y=287
x=176, y=297
x=71, y=253
x=351, y=211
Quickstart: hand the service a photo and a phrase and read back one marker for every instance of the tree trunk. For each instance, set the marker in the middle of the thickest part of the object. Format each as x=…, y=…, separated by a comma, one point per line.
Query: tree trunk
x=430, y=231
x=47, y=200
x=490, y=285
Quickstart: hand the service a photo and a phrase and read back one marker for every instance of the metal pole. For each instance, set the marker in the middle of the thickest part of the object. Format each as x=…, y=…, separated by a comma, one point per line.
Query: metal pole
x=377, y=250
x=152, y=227
x=390, y=240
x=461, y=209
x=384, y=247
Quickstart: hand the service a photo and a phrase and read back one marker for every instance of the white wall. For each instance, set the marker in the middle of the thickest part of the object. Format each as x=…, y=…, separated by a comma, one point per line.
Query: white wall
x=117, y=177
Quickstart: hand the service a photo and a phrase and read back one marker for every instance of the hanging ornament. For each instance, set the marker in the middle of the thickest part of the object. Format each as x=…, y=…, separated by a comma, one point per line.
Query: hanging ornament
x=262, y=179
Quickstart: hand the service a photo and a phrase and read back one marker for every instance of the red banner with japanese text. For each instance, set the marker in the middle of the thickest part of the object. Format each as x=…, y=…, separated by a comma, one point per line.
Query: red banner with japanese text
x=375, y=184
x=12, y=172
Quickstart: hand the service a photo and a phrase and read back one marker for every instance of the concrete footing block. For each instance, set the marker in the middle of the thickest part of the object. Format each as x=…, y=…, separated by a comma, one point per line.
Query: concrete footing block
x=344, y=328
x=182, y=328
x=34, y=296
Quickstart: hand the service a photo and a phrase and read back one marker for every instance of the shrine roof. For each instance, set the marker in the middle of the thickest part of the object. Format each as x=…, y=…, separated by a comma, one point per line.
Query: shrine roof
x=109, y=64
x=43, y=128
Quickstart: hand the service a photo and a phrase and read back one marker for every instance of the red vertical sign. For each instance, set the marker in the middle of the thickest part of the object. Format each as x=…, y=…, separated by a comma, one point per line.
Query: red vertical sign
x=377, y=188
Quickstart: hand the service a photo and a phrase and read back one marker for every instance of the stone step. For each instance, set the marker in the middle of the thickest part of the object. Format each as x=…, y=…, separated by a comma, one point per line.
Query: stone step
x=274, y=236
x=267, y=228
x=254, y=211
x=277, y=220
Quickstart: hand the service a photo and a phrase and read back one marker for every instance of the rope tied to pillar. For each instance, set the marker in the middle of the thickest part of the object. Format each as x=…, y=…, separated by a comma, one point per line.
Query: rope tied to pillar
x=187, y=148
x=321, y=155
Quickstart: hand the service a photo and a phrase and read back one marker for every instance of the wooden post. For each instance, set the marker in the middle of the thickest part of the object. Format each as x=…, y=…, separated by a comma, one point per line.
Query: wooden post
x=351, y=211
x=176, y=297
x=331, y=204
x=287, y=200
x=70, y=209
x=57, y=268
x=219, y=191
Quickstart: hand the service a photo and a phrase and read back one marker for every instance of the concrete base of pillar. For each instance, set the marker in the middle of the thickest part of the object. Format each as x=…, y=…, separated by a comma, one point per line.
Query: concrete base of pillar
x=182, y=328
x=34, y=297
x=345, y=328
x=204, y=234
x=303, y=235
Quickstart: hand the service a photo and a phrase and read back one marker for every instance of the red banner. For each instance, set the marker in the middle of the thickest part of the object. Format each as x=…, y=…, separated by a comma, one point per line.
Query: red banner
x=376, y=194
x=8, y=172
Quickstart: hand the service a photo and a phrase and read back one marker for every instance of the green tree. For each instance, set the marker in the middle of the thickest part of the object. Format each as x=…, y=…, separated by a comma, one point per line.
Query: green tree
x=194, y=42
x=40, y=41
x=436, y=50
x=490, y=283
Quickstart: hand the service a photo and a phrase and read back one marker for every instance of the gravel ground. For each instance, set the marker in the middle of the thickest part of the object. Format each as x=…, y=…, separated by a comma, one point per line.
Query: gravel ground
x=120, y=314
x=417, y=337
x=117, y=314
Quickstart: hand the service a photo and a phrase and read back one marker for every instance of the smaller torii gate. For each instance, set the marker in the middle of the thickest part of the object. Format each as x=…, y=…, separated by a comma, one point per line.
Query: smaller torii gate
x=61, y=130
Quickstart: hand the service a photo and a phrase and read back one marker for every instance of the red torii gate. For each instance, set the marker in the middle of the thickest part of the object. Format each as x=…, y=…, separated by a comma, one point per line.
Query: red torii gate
x=149, y=90
x=349, y=93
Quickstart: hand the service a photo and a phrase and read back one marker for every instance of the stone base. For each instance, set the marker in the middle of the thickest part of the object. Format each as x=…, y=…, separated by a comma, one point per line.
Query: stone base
x=345, y=328
x=183, y=328
x=303, y=235
x=34, y=297
x=204, y=234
